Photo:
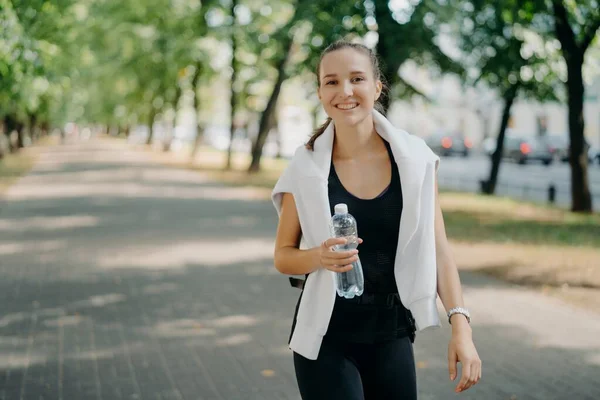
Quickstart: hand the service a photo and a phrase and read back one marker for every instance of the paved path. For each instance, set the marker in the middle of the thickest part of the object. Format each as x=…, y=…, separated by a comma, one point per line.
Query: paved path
x=124, y=279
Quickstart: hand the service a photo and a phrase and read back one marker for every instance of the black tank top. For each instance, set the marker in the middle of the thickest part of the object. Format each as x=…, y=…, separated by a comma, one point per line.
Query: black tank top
x=378, y=314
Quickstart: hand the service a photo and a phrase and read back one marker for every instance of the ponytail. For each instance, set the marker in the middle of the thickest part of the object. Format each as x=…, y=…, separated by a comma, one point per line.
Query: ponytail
x=310, y=145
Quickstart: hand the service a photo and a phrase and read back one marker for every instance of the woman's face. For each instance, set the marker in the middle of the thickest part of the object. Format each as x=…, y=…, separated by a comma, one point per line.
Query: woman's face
x=348, y=89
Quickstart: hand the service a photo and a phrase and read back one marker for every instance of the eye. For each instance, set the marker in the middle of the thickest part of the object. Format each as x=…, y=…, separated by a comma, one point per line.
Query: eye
x=358, y=79
x=330, y=83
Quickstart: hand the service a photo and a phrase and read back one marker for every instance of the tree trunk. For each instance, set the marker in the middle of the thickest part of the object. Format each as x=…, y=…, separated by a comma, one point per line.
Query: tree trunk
x=150, y=126
x=169, y=139
x=267, y=115
x=32, y=123
x=195, y=85
x=574, y=54
x=489, y=186
x=581, y=198
x=234, y=73
x=265, y=118
x=10, y=124
x=20, y=135
x=386, y=49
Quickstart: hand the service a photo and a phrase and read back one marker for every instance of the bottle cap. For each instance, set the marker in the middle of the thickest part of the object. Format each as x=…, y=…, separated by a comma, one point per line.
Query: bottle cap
x=341, y=208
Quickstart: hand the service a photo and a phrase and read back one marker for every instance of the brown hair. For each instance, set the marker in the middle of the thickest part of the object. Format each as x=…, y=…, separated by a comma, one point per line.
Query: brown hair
x=339, y=45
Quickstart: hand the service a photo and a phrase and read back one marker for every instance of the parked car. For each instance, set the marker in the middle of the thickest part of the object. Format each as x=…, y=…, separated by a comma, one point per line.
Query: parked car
x=594, y=155
x=587, y=149
x=558, y=146
x=524, y=150
x=444, y=144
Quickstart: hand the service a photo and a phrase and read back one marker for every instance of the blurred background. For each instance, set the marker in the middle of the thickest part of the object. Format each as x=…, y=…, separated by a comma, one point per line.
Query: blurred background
x=139, y=141
x=238, y=76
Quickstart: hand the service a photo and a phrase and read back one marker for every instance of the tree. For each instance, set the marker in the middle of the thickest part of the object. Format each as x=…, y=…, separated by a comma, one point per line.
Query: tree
x=576, y=24
x=501, y=52
x=325, y=21
x=409, y=34
x=234, y=74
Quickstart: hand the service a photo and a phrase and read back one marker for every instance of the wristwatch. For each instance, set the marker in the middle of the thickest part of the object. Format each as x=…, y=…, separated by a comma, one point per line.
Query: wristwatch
x=459, y=310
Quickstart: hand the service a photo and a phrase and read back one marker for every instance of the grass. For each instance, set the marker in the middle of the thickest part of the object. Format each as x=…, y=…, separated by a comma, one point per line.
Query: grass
x=479, y=218
x=526, y=243
x=469, y=217
x=13, y=166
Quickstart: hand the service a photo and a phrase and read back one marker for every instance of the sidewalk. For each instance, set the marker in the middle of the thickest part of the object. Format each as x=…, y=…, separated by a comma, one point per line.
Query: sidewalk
x=123, y=279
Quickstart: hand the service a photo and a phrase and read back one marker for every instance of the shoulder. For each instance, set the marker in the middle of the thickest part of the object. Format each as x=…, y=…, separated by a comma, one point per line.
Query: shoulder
x=299, y=158
x=287, y=179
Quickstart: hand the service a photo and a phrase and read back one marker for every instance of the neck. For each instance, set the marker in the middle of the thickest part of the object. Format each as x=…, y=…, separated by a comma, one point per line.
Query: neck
x=356, y=140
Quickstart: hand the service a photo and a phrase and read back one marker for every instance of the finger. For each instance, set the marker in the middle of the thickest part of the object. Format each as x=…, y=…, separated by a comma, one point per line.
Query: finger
x=471, y=379
x=360, y=241
x=474, y=374
x=340, y=255
x=333, y=241
x=452, y=364
x=340, y=261
x=478, y=371
x=466, y=372
x=339, y=268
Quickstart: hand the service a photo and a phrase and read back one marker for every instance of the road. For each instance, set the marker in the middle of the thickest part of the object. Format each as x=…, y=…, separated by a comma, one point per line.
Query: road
x=124, y=279
x=527, y=182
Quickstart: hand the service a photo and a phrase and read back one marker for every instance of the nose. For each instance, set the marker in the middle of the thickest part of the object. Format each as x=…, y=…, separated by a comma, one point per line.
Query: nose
x=347, y=89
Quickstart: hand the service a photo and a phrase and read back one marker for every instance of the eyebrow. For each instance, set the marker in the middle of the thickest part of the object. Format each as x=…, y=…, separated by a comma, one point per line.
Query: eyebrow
x=351, y=73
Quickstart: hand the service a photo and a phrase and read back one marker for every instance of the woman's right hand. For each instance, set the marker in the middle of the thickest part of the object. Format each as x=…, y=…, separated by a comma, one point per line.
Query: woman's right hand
x=337, y=261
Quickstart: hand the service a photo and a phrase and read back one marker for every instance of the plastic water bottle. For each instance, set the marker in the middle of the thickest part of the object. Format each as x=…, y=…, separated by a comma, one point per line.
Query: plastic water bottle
x=343, y=225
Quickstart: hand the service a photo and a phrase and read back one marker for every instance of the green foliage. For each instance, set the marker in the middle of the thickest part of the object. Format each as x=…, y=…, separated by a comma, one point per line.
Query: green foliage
x=501, y=49
x=118, y=62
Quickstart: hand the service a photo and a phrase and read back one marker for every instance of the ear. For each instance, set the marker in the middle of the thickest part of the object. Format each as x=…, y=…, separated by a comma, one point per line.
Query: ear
x=378, y=89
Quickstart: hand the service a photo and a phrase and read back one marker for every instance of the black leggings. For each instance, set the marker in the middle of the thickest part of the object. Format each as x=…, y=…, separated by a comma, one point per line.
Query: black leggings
x=380, y=371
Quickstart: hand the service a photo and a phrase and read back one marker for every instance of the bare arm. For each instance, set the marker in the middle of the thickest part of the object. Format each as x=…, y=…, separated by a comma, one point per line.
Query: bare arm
x=448, y=287
x=290, y=260
x=461, y=347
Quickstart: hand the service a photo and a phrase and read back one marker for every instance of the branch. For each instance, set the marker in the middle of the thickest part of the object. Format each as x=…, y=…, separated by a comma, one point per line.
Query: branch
x=564, y=32
x=590, y=32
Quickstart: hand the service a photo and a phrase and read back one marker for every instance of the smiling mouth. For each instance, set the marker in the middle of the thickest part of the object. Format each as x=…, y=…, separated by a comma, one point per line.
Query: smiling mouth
x=346, y=106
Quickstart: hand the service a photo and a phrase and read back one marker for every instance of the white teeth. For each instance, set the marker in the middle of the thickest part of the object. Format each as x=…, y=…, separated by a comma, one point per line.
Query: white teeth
x=347, y=106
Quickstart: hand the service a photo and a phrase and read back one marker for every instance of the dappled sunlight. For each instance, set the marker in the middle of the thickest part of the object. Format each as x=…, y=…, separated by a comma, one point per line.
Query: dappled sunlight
x=516, y=262
x=94, y=175
x=168, y=175
x=7, y=248
x=66, y=320
x=9, y=319
x=95, y=354
x=233, y=221
x=234, y=340
x=117, y=173
x=100, y=300
x=593, y=359
x=48, y=223
x=233, y=321
x=8, y=341
x=542, y=332
x=180, y=328
x=206, y=253
x=23, y=360
x=135, y=190
x=160, y=288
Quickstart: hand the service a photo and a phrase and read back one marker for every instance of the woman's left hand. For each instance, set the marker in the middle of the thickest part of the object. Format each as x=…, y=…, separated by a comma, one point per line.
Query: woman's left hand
x=462, y=349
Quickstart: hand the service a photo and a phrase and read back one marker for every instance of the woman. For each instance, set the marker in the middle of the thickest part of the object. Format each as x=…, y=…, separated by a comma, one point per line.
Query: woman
x=361, y=348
